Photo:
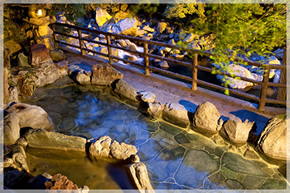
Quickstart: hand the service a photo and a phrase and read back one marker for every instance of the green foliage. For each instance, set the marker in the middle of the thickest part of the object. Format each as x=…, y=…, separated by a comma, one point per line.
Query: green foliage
x=244, y=28
x=240, y=29
x=181, y=10
x=147, y=8
x=72, y=11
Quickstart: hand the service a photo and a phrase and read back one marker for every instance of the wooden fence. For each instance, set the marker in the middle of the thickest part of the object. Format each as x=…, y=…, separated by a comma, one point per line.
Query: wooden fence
x=262, y=100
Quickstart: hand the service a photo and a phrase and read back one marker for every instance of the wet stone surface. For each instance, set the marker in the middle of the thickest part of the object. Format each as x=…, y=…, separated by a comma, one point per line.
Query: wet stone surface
x=175, y=158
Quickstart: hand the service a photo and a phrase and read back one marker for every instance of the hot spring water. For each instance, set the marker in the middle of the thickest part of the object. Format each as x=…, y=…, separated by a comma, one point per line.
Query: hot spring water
x=175, y=158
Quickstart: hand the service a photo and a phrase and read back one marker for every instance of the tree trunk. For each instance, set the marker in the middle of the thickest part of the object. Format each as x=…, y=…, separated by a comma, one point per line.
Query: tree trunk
x=282, y=91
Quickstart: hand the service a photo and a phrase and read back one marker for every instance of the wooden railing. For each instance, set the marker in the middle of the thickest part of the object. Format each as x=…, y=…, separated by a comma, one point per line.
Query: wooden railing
x=262, y=100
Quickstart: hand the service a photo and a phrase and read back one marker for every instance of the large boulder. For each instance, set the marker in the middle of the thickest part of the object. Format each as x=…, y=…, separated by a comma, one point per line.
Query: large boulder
x=80, y=72
x=45, y=70
x=126, y=26
x=139, y=174
x=46, y=74
x=101, y=148
x=39, y=53
x=102, y=16
x=237, y=70
x=55, y=141
x=21, y=115
x=236, y=130
x=105, y=75
x=57, y=55
x=125, y=90
x=147, y=97
x=272, y=141
x=122, y=151
x=155, y=110
x=176, y=114
x=206, y=119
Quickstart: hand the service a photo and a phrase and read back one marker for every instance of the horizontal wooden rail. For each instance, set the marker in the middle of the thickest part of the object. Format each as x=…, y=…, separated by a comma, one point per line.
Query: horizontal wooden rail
x=231, y=91
x=170, y=60
x=95, y=52
x=193, y=67
x=229, y=75
x=277, y=85
x=275, y=101
x=68, y=35
x=128, y=61
x=128, y=50
x=68, y=44
x=155, y=69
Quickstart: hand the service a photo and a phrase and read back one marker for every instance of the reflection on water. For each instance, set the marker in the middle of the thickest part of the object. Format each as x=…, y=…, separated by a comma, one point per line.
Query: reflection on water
x=101, y=174
x=175, y=158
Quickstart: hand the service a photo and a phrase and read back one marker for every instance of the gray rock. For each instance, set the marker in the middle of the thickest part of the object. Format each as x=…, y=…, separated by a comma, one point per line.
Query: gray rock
x=101, y=148
x=45, y=70
x=39, y=53
x=20, y=115
x=194, y=45
x=104, y=50
x=205, y=118
x=135, y=158
x=190, y=37
x=279, y=53
x=19, y=157
x=163, y=64
x=236, y=130
x=171, y=41
x=138, y=172
x=176, y=114
x=53, y=140
x=46, y=74
x=13, y=95
x=125, y=90
x=161, y=26
x=57, y=55
x=105, y=75
x=62, y=67
x=160, y=64
x=147, y=96
x=126, y=26
x=125, y=43
x=149, y=29
x=155, y=110
x=122, y=151
x=22, y=60
x=80, y=72
x=272, y=141
x=102, y=16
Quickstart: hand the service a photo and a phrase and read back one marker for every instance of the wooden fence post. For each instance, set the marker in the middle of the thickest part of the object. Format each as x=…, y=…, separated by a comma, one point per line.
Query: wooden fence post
x=194, y=72
x=54, y=35
x=108, y=37
x=146, y=59
x=80, y=42
x=264, y=88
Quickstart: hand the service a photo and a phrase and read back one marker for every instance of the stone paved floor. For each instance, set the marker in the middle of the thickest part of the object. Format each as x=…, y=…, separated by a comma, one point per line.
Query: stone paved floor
x=169, y=90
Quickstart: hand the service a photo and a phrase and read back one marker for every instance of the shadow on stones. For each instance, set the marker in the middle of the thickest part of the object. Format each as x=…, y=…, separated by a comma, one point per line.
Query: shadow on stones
x=121, y=176
x=260, y=120
x=190, y=107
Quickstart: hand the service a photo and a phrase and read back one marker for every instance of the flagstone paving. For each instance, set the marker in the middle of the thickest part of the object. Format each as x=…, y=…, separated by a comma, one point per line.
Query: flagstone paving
x=176, y=158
